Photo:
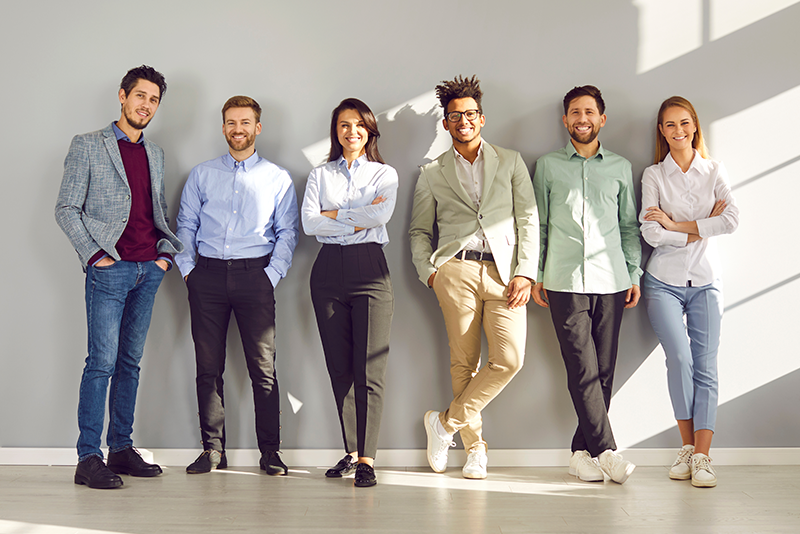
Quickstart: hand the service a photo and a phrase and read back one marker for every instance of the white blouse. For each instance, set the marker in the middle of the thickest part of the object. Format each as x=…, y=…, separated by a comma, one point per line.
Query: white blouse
x=688, y=196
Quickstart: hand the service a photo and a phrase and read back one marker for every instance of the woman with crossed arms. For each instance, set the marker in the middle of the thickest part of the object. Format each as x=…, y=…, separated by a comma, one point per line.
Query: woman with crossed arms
x=686, y=201
x=347, y=203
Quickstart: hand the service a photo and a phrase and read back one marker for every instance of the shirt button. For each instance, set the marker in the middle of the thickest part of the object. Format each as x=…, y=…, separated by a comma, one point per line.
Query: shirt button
x=234, y=211
x=236, y=191
x=228, y=246
x=124, y=219
x=480, y=216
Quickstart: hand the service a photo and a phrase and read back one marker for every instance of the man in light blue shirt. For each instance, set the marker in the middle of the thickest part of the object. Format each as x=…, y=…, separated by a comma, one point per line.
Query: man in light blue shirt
x=239, y=221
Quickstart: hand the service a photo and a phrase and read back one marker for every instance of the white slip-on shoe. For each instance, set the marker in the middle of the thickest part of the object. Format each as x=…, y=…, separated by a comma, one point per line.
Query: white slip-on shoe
x=682, y=468
x=575, y=459
x=438, y=446
x=589, y=470
x=703, y=475
x=617, y=468
x=477, y=460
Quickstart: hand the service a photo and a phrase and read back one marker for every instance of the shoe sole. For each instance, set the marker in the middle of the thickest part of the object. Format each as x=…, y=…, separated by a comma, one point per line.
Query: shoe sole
x=337, y=474
x=429, y=433
x=81, y=481
x=627, y=473
x=680, y=477
x=591, y=479
x=123, y=471
x=474, y=476
x=699, y=484
x=273, y=472
x=365, y=485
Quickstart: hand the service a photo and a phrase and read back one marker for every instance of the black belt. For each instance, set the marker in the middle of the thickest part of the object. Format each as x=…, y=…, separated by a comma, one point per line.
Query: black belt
x=474, y=255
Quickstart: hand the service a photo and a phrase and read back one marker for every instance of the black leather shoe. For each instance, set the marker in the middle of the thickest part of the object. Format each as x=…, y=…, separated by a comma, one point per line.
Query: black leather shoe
x=128, y=461
x=271, y=463
x=93, y=472
x=208, y=460
x=365, y=476
x=345, y=466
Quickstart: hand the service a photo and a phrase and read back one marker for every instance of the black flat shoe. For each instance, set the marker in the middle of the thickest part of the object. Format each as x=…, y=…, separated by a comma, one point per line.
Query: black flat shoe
x=129, y=462
x=345, y=466
x=208, y=460
x=271, y=463
x=93, y=472
x=365, y=476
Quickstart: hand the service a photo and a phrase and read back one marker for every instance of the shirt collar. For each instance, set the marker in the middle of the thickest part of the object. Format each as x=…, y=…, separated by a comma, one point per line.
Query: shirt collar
x=360, y=160
x=230, y=162
x=462, y=158
x=571, y=151
x=122, y=136
x=698, y=164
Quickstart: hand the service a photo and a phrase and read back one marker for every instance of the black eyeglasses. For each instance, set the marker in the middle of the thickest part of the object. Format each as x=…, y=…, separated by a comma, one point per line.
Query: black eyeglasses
x=470, y=114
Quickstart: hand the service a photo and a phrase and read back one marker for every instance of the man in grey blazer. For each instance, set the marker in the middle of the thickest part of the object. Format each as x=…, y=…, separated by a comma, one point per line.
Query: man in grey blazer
x=111, y=206
x=481, y=199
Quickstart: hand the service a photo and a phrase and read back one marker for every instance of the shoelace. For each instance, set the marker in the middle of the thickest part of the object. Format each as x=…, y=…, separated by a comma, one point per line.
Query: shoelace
x=444, y=446
x=684, y=457
x=703, y=463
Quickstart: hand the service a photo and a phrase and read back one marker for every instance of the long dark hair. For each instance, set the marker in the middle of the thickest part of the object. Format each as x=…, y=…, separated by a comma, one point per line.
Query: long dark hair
x=371, y=149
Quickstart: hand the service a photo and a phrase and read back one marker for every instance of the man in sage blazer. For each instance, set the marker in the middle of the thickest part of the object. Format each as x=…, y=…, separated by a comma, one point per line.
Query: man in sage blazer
x=111, y=206
x=480, y=198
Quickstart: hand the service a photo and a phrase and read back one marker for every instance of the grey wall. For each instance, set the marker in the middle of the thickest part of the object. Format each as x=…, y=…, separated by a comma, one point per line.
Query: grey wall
x=62, y=63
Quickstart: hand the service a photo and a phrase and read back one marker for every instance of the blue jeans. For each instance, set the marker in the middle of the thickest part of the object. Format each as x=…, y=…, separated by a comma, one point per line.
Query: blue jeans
x=119, y=304
x=691, y=348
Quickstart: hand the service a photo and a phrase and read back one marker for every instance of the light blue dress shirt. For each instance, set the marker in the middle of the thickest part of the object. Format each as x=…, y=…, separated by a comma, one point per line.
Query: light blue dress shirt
x=236, y=210
x=333, y=186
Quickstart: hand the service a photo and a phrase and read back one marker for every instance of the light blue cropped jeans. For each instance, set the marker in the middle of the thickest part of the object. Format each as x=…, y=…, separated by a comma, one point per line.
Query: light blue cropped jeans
x=691, y=346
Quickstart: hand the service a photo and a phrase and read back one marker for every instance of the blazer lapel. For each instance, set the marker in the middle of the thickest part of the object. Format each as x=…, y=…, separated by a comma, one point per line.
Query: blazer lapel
x=450, y=176
x=490, y=164
x=113, y=152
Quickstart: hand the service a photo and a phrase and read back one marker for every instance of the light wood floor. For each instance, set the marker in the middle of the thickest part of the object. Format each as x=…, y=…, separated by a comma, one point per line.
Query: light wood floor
x=44, y=500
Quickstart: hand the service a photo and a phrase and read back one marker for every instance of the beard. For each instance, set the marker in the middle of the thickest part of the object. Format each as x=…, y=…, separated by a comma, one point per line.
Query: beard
x=584, y=138
x=135, y=121
x=240, y=144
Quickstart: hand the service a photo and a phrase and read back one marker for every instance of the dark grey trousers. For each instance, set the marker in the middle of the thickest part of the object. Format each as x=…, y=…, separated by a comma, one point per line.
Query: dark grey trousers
x=217, y=288
x=587, y=327
x=353, y=301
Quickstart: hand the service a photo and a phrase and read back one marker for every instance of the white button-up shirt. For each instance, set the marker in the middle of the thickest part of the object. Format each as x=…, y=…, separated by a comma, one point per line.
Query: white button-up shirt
x=688, y=196
x=471, y=177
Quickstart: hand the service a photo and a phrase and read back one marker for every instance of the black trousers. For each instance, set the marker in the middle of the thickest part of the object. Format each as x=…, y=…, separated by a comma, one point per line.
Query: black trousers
x=353, y=301
x=217, y=287
x=587, y=327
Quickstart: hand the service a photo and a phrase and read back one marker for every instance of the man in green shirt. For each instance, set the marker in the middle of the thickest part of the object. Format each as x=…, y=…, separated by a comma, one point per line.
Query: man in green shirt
x=588, y=272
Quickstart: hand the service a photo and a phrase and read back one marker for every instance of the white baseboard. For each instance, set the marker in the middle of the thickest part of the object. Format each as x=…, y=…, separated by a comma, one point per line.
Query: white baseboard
x=411, y=457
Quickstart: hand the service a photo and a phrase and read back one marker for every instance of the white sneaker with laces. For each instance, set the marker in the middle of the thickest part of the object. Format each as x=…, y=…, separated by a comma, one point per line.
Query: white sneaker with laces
x=575, y=459
x=682, y=468
x=589, y=470
x=703, y=475
x=438, y=446
x=617, y=468
x=477, y=460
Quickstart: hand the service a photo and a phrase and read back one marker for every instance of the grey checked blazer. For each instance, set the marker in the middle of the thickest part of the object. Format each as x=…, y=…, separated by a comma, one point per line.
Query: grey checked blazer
x=95, y=199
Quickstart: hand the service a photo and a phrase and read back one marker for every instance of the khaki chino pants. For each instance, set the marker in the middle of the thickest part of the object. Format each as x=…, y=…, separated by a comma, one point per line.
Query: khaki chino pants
x=472, y=294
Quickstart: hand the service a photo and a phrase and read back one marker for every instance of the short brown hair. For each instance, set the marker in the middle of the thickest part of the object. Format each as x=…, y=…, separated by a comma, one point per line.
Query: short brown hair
x=585, y=90
x=460, y=87
x=240, y=101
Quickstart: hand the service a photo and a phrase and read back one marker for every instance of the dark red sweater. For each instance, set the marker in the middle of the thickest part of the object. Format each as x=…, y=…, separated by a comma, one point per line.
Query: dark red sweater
x=138, y=241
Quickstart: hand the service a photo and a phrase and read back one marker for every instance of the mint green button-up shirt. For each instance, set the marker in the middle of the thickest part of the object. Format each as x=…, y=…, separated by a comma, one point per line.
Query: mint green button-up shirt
x=588, y=228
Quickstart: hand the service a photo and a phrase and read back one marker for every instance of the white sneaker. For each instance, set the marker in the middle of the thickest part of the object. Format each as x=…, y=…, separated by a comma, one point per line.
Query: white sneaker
x=682, y=468
x=589, y=470
x=575, y=459
x=438, y=446
x=477, y=460
x=615, y=466
x=703, y=475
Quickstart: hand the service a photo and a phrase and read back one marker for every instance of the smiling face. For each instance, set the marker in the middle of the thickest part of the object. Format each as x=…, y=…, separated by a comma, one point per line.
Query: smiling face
x=352, y=134
x=678, y=128
x=583, y=120
x=139, y=106
x=464, y=131
x=240, y=128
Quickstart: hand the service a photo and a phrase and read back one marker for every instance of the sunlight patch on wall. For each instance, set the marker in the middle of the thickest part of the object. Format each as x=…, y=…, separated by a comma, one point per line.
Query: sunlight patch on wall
x=727, y=16
x=758, y=138
x=667, y=30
